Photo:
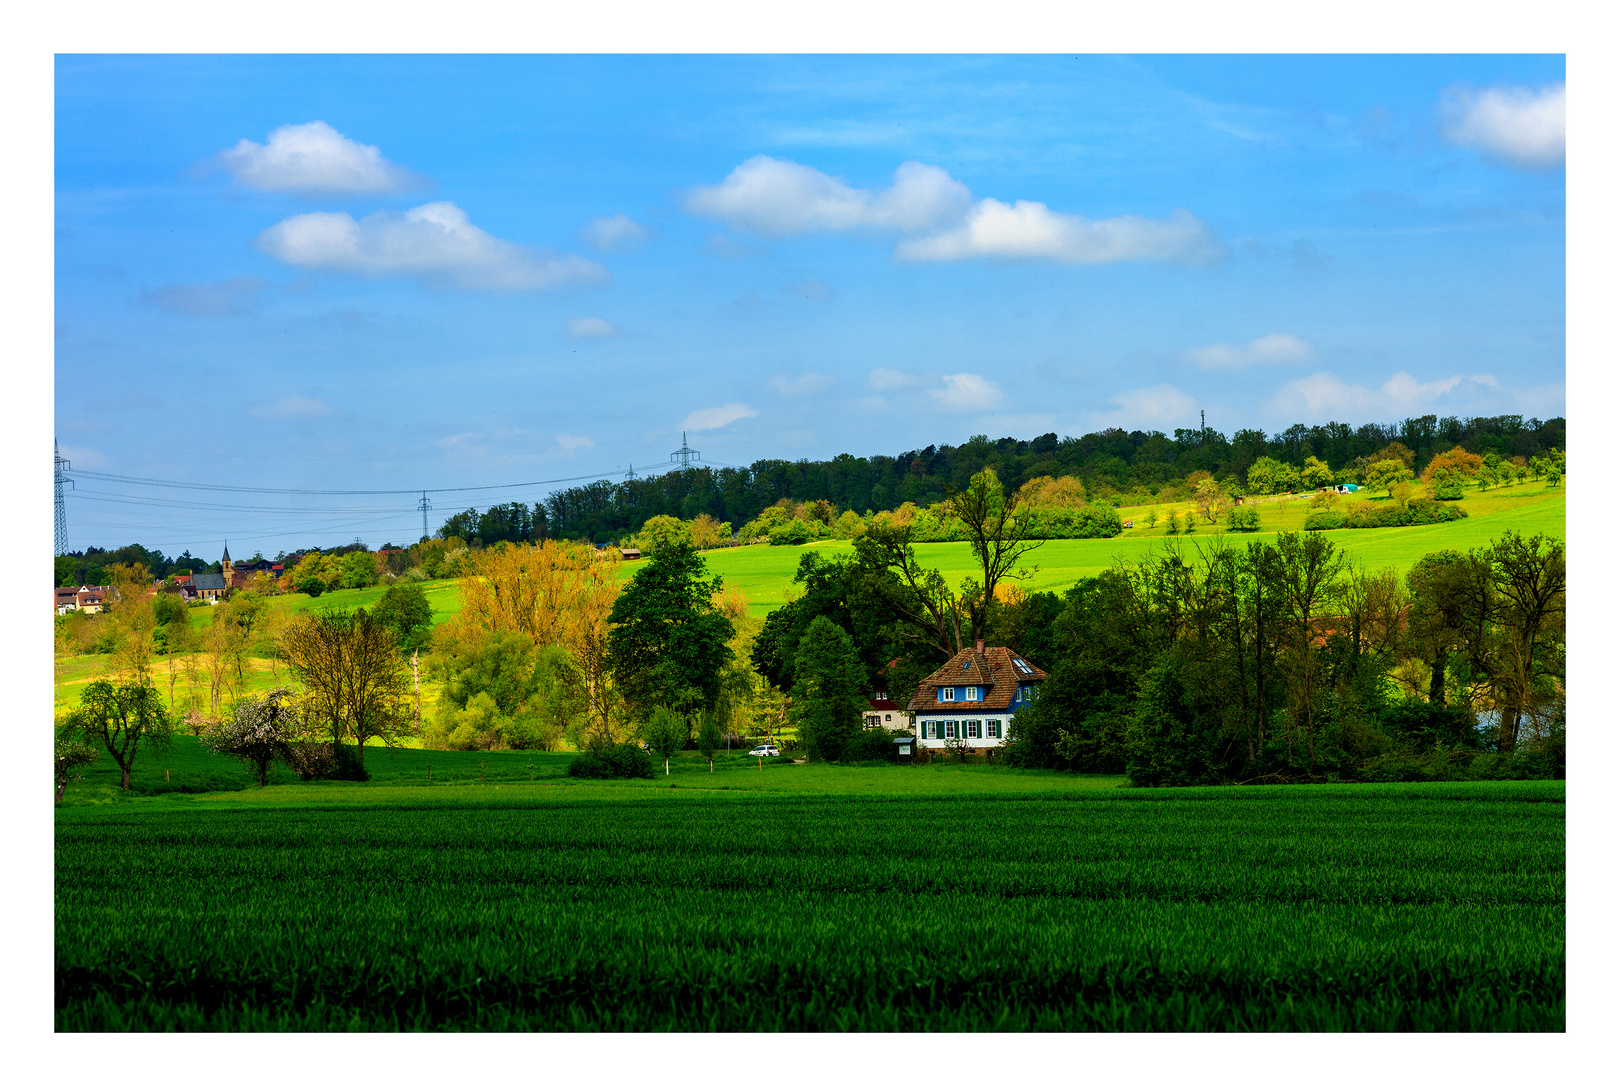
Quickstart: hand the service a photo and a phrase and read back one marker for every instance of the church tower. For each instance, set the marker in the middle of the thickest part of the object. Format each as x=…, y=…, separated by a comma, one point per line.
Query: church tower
x=225, y=565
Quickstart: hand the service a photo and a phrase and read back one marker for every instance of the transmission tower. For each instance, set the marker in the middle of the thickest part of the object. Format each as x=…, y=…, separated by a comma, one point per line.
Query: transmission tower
x=424, y=506
x=62, y=464
x=631, y=475
x=685, y=455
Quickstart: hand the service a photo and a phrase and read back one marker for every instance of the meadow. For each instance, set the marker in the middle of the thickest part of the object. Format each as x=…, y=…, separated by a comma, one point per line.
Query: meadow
x=765, y=573
x=807, y=898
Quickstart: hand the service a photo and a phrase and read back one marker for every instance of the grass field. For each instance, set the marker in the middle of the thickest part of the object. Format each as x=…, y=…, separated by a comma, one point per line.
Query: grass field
x=766, y=572
x=929, y=898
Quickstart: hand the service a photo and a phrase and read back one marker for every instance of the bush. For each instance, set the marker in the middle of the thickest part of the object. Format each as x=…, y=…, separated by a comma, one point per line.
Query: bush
x=1325, y=519
x=871, y=744
x=621, y=762
x=1369, y=516
x=1242, y=519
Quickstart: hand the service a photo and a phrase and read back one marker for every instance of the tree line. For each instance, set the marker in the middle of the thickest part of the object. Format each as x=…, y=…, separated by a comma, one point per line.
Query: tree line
x=1108, y=462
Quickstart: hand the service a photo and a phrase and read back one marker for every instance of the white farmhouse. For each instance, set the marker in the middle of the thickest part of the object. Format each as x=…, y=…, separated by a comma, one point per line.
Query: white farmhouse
x=973, y=697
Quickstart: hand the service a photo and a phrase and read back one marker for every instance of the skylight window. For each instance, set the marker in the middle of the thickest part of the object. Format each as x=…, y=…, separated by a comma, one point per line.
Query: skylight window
x=1021, y=666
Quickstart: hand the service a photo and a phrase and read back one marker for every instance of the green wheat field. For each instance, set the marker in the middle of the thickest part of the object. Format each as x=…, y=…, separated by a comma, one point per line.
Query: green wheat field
x=797, y=898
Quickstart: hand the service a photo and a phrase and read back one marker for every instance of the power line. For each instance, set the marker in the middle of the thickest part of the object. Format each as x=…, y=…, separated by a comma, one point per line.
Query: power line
x=189, y=485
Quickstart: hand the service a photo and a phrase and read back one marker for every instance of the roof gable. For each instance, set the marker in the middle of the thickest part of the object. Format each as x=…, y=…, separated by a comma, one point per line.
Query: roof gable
x=998, y=668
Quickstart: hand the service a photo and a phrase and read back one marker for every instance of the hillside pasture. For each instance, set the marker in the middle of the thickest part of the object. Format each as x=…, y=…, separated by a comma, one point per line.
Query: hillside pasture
x=765, y=573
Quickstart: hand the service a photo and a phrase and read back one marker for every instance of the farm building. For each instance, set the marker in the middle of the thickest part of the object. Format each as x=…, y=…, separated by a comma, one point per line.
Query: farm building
x=973, y=697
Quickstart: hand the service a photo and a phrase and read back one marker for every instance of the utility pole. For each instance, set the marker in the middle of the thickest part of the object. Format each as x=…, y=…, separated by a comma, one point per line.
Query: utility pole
x=62, y=464
x=424, y=506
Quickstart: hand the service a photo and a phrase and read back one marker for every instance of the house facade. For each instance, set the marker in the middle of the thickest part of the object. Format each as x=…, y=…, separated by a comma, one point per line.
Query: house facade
x=973, y=697
x=883, y=711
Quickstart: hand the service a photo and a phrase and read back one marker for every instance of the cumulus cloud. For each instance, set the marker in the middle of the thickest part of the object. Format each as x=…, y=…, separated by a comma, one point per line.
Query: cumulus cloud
x=1029, y=230
x=1516, y=125
x=575, y=442
x=1271, y=349
x=233, y=297
x=292, y=407
x=771, y=197
x=800, y=385
x=313, y=159
x=616, y=233
x=966, y=393
x=1324, y=394
x=435, y=241
x=717, y=417
x=591, y=327
x=1153, y=408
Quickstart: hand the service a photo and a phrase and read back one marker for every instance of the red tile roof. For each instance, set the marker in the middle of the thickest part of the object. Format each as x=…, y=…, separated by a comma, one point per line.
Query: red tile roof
x=994, y=668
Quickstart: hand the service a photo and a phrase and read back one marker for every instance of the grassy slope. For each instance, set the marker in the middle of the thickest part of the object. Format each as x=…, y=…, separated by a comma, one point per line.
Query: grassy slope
x=75, y=673
x=765, y=572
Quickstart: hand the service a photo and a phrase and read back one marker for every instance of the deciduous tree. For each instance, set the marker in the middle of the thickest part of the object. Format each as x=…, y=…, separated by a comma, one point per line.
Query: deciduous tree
x=119, y=718
x=668, y=643
x=355, y=683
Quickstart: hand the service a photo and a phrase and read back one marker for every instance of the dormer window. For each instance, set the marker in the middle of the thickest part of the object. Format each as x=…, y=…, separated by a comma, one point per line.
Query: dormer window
x=948, y=694
x=972, y=694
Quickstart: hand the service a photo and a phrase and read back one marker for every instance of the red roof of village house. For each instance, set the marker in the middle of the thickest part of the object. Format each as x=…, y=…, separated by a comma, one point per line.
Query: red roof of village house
x=996, y=668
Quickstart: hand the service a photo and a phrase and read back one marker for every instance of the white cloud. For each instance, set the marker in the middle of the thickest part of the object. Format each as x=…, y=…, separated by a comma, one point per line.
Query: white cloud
x=1271, y=349
x=800, y=385
x=616, y=233
x=575, y=442
x=771, y=197
x=966, y=393
x=435, y=241
x=887, y=378
x=591, y=327
x=292, y=407
x=1152, y=408
x=313, y=159
x=1516, y=125
x=1326, y=396
x=1029, y=230
x=717, y=417
x=232, y=297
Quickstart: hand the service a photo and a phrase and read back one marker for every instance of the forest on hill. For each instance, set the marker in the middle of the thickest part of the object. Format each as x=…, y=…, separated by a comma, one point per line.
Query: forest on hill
x=1136, y=464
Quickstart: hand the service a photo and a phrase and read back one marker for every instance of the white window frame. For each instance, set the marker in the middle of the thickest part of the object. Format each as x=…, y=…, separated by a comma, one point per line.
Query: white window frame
x=948, y=694
x=950, y=729
x=970, y=729
x=992, y=729
x=972, y=694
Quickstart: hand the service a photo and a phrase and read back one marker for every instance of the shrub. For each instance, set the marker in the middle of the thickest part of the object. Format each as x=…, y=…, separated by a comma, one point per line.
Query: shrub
x=623, y=761
x=1243, y=519
x=871, y=744
x=1325, y=519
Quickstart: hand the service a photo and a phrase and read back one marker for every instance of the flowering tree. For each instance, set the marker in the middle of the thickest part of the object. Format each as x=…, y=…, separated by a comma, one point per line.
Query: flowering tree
x=70, y=757
x=259, y=732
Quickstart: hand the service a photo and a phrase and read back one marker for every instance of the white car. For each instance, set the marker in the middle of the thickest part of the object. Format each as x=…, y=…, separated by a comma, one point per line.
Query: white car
x=765, y=750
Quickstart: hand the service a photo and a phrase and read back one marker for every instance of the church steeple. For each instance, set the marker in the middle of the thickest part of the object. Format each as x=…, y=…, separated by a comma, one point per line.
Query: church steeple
x=225, y=562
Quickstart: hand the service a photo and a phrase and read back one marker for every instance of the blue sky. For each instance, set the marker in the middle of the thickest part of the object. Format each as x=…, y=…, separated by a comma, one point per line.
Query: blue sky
x=382, y=273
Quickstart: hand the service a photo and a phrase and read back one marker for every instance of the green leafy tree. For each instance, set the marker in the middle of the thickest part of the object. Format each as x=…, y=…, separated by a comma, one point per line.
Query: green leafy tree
x=1387, y=474
x=357, y=570
x=668, y=643
x=709, y=739
x=1315, y=473
x=1268, y=476
x=999, y=530
x=665, y=731
x=118, y=719
x=406, y=610
x=828, y=680
x=663, y=531
x=355, y=684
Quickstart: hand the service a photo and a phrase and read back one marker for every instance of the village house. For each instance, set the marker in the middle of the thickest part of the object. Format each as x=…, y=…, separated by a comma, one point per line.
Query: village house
x=883, y=711
x=972, y=698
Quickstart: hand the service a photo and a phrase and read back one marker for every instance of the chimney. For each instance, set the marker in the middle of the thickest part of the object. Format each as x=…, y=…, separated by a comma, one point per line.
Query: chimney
x=978, y=646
